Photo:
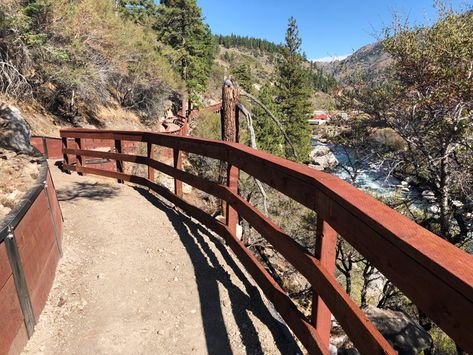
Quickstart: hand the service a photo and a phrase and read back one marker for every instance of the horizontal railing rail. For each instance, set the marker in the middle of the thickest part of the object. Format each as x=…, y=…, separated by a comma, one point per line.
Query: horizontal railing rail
x=435, y=275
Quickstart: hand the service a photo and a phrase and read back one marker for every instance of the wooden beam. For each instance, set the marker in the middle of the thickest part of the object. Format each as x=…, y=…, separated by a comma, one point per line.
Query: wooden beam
x=150, y=154
x=325, y=252
x=80, y=160
x=64, y=147
x=177, y=160
x=119, y=163
x=230, y=133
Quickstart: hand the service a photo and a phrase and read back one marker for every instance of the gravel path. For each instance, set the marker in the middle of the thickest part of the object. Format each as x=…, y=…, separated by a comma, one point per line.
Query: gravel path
x=137, y=277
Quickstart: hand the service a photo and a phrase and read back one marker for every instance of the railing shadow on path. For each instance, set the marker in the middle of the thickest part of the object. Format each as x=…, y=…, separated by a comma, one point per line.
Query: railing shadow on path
x=209, y=274
x=87, y=190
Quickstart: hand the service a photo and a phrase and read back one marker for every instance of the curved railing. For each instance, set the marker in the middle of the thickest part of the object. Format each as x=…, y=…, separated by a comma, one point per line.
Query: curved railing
x=435, y=275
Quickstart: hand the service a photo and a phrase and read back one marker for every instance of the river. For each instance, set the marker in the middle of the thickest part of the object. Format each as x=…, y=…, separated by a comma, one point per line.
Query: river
x=376, y=180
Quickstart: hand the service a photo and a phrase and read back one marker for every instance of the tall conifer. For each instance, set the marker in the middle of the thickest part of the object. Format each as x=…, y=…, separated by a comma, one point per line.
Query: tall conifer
x=293, y=94
x=180, y=25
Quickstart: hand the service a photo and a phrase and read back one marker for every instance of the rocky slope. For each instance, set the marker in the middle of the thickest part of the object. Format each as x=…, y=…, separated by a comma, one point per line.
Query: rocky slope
x=19, y=167
x=368, y=61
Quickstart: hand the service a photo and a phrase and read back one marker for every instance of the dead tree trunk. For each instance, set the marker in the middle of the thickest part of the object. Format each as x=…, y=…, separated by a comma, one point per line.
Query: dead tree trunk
x=230, y=100
x=229, y=174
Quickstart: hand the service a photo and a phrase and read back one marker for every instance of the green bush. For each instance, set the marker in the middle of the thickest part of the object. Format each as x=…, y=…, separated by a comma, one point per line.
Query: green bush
x=90, y=54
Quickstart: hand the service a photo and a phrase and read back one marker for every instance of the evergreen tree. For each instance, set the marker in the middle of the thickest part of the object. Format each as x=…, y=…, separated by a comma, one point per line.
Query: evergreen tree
x=233, y=41
x=143, y=12
x=180, y=26
x=321, y=81
x=293, y=94
x=244, y=77
x=268, y=135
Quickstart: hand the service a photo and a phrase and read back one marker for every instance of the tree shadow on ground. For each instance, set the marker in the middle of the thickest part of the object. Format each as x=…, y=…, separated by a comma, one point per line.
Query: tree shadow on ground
x=209, y=274
x=87, y=190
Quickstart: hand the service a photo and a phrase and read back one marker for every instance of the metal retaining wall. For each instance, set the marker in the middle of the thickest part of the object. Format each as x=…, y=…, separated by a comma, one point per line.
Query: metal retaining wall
x=30, y=248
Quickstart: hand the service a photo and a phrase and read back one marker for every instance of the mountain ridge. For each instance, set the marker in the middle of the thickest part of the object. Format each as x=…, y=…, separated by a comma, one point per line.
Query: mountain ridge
x=368, y=61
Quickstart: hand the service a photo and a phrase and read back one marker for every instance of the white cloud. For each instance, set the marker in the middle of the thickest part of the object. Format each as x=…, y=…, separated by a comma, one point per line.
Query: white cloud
x=331, y=58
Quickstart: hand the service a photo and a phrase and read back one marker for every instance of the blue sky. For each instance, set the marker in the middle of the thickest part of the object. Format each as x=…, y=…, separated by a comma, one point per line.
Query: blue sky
x=328, y=27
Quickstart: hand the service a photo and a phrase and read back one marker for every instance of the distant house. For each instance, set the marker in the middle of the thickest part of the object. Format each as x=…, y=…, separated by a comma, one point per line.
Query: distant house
x=319, y=118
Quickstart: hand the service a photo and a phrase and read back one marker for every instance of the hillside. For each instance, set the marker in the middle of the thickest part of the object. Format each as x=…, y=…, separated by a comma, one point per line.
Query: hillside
x=82, y=64
x=255, y=61
x=368, y=61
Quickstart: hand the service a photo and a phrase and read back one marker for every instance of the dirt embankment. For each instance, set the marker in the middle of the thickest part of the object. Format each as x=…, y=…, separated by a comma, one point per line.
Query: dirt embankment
x=19, y=165
x=18, y=173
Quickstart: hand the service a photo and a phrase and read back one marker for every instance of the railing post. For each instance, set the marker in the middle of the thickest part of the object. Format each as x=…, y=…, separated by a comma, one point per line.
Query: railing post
x=79, y=158
x=119, y=163
x=230, y=125
x=45, y=147
x=177, y=155
x=231, y=215
x=325, y=251
x=65, y=156
x=150, y=155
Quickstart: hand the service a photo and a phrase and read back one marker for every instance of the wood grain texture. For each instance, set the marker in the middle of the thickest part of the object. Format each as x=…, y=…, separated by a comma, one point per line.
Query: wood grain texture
x=325, y=252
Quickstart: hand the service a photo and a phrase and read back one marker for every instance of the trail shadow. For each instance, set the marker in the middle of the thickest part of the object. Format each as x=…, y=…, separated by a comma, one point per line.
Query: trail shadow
x=209, y=274
x=87, y=190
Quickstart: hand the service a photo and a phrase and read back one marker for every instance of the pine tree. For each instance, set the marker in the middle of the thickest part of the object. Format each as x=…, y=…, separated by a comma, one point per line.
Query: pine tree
x=180, y=26
x=144, y=12
x=268, y=135
x=293, y=94
x=244, y=77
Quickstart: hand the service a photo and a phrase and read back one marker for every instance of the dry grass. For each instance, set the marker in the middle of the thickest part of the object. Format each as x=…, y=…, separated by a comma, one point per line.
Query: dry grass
x=116, y=117
x=18, y=174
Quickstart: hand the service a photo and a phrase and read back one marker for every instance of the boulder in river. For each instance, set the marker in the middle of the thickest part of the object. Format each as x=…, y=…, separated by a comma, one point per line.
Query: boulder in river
x=322, y=156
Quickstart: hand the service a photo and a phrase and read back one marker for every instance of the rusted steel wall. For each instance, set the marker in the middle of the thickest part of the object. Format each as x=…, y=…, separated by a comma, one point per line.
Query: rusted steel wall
x=13, y=329
x=38, y=250
x=48, y=146
x=30, y=248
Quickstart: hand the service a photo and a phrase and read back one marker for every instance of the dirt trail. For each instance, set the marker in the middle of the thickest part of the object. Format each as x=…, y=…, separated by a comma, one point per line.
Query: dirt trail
x=139, y=278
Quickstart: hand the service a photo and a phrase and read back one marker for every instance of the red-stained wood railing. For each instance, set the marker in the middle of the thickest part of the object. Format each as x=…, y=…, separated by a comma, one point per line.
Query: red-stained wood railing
x=434, y=274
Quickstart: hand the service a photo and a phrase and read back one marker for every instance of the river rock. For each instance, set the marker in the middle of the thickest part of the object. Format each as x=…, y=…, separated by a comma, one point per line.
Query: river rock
x=428, y=195
x=319, y=151
x=457, y=204
x=403, y=333
x=322, y=156
x=15, y=132
x=316, y=167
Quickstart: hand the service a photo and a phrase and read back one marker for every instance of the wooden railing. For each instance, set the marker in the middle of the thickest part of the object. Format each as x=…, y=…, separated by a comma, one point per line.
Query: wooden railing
x=434, y=274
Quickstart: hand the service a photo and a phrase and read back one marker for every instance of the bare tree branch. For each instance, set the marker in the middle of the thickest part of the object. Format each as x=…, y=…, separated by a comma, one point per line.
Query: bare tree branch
x=278, y=123
x=251, y=129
